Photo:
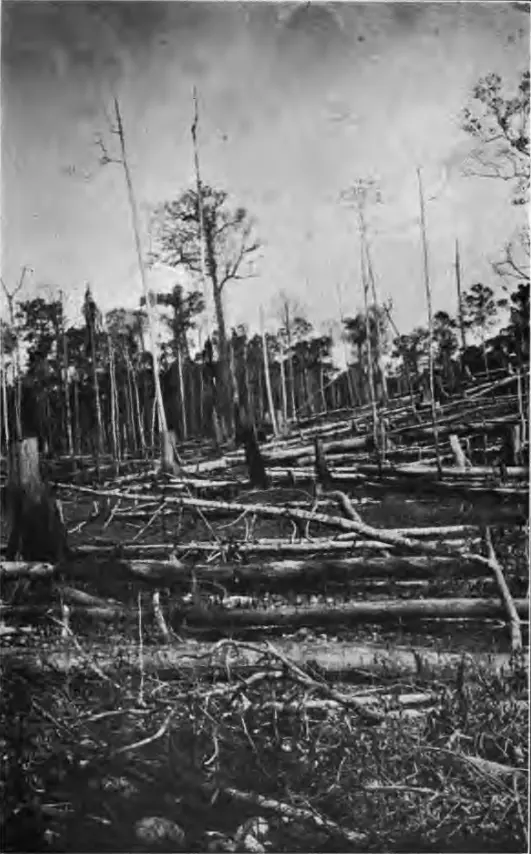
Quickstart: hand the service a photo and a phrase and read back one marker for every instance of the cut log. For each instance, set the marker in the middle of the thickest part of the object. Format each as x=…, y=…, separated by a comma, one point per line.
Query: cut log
x=37, y=532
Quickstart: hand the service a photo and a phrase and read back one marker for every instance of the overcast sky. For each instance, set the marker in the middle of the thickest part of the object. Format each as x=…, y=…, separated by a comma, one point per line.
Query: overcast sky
x=297, y=101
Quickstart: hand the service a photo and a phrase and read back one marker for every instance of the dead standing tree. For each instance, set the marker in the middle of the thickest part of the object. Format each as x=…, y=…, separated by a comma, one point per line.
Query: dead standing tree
x=169, y=455
x=92, y=317
x=10, y=297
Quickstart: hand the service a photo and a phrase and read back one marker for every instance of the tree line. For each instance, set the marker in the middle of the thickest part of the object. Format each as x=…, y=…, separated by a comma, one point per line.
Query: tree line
x=92, y=388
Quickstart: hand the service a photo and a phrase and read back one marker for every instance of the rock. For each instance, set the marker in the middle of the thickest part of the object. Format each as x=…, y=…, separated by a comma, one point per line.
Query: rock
x=153, y=830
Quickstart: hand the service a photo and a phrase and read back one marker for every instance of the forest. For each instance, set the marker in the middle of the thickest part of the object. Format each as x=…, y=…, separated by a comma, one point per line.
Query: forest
x=257, y=595
x=90, y=389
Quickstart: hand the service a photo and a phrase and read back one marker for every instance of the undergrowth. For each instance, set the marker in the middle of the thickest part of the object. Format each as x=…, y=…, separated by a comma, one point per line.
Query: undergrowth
x=87, y=754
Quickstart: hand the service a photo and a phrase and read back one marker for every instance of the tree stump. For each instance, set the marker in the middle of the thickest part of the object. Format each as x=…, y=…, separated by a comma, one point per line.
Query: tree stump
x=253, y=458
x=323, y=477
x=170, y=456
x=37, y=531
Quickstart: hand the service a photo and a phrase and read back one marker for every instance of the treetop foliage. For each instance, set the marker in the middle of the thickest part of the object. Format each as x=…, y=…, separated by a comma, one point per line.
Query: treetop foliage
x=500, y=123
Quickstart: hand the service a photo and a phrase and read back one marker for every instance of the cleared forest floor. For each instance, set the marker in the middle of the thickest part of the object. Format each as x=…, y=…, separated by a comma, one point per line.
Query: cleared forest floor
x=265, y=712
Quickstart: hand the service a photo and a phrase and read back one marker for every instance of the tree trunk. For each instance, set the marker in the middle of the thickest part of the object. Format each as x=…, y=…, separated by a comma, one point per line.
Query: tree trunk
x=77, y=432
x=253, y=458
x=322, y=387
x=283, y=389
x=484, y=348
x=195, y=658
x=370, y=366
x=202, y=402
x=370, y=611
x=113, y=390
x=97, y=400
x=5, y=412
x=430, y=315
x=169, y=456
x=258, y=572
x=141, y=266
x=37, y=531
x=182, y=393
x=68, y=409
x=131, y=442
x=136, y=397
x=225, y=390
x=267, y=375
x=308, y=391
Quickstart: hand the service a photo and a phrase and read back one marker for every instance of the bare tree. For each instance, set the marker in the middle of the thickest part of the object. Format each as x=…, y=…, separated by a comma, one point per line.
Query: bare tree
x=10, y=297
x=360, y=194
x=169, y=453
x=425, y=259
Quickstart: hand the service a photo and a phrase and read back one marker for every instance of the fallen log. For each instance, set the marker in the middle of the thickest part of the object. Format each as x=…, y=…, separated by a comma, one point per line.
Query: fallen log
x=271, y=511
x=25, y=569
x=507, y=599
x=199, y=660
x=493, y=425
x=170, y=572
x=351, y=543
x=377, y=610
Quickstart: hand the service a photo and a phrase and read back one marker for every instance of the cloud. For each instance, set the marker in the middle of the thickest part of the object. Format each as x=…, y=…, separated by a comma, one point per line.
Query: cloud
x=297, y=100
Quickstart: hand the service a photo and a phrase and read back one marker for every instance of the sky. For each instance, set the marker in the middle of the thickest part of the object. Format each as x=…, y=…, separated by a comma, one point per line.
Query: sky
x=297, y=101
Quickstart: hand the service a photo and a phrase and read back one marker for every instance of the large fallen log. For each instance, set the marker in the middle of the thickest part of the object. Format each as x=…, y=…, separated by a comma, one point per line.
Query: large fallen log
x=378, y=610
x=168, y=572
x=405, y=481
x=484, y=474
x=374, y=611
x=493, y=425
x=274, y=512
x=200, y=660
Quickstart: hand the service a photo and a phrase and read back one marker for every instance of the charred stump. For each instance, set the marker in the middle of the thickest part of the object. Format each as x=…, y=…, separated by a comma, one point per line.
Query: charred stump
x=322, y=472
x=36, y=527
x=253, y=457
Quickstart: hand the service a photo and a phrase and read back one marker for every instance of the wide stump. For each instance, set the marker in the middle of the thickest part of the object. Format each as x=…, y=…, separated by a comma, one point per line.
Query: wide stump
x=37, y=531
